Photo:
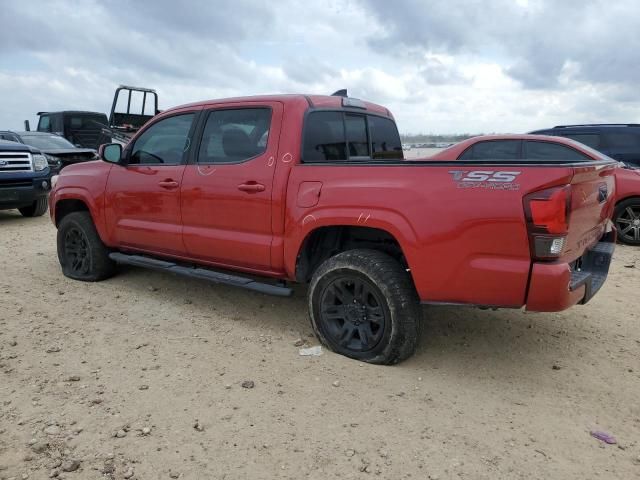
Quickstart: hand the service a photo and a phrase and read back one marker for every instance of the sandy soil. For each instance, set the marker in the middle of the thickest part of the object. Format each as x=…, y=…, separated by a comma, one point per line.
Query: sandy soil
x=142, y=377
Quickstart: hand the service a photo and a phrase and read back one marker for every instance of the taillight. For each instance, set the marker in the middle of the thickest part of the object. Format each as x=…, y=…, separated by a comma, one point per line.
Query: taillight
x=547, y=213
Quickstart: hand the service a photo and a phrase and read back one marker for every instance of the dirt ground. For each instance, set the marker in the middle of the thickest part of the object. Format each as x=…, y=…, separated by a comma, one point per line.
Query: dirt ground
x=142, y=377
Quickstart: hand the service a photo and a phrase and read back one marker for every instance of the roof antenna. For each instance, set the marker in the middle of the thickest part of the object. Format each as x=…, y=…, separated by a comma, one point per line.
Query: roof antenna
x=340, y=93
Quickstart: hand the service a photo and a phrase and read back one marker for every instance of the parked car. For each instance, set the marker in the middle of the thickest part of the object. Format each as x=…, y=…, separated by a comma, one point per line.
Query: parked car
x=618, y=141
x=59, y=151
x=627, y=212
x=24, y=179
x=314, y=189
x=626, y=215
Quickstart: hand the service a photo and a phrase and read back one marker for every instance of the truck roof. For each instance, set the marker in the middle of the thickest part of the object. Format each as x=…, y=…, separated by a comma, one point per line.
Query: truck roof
x=73, y=112
x=313, y=101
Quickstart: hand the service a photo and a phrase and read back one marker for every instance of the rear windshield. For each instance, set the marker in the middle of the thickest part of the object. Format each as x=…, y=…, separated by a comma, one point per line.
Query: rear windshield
x=47, y=142
x=338, y=136
x=86, y=122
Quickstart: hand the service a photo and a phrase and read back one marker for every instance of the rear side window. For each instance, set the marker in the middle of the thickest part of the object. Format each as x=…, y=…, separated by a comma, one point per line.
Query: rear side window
x=552, y=151
x=493, y=150
x=589, y=139
x=232, y=136
x=623, y=140
x=342, y=136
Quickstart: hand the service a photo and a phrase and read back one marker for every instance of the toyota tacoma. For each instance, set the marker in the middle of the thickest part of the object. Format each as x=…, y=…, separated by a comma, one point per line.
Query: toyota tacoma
x=259, y=192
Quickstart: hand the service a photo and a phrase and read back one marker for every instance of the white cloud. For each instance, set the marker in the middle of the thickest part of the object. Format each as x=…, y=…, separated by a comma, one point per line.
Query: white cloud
x=442, y=66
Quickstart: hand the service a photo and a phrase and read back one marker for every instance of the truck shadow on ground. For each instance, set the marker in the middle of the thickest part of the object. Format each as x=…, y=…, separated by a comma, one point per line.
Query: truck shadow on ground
x=460, y=340
x=7, y=216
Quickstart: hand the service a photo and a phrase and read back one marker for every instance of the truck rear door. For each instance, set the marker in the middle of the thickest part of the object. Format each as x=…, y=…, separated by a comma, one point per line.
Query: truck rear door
x=226, y=193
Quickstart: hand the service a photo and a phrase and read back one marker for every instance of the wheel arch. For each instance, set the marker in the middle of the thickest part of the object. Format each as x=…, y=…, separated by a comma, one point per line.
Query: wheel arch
x=326, y=241
x=76, y=200
x=629, y=197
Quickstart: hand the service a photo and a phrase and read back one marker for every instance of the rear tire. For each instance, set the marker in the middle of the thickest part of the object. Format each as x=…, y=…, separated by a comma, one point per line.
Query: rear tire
x=36, y=209
x=81, y=253
x=627, y=221
x=363, y=305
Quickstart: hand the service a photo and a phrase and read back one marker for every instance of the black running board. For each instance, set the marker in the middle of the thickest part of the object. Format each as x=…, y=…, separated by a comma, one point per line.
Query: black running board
x=201, y=273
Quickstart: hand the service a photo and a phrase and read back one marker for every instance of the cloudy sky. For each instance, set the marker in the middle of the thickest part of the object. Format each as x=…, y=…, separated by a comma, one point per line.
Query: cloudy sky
x=449, y=66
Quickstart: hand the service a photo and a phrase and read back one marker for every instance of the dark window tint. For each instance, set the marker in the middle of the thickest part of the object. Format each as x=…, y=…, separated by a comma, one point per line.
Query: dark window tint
x=232, y=136
x=324, y=139
x=552, y=151
x=47, y=142
x=493, y=150
x=164, y=143
x=385, y=140
x=86, y=122
x=9, y=137
x=589, y=139
x=623, y=140
x=44, y=124
x=356, y=127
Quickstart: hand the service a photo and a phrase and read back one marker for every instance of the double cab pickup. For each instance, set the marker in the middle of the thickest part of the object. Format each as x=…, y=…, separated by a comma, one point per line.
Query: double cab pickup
x=263, y=191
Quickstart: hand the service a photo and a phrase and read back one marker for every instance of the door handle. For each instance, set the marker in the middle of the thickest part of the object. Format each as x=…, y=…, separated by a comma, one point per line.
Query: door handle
x=169, y=184
x=251, y=187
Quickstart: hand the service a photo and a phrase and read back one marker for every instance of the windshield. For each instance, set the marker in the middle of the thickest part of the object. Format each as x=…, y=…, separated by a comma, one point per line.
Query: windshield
x=47, y=142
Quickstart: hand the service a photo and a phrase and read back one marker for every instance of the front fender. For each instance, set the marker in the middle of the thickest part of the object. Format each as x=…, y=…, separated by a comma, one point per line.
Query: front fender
x=79, y=194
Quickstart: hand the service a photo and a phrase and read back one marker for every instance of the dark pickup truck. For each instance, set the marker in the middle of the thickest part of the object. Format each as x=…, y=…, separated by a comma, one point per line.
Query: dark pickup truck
x=25, y=179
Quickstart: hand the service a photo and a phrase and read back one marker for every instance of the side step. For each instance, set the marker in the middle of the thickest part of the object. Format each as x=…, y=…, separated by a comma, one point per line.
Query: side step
x=202, y=273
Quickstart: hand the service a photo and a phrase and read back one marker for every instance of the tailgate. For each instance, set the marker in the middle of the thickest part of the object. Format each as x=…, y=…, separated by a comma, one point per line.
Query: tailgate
x=591, y=206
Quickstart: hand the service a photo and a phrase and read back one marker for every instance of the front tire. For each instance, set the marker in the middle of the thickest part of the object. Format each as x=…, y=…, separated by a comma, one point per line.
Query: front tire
x=81, y=253
x=363, y=305
x=36, y=209
x=627, y=221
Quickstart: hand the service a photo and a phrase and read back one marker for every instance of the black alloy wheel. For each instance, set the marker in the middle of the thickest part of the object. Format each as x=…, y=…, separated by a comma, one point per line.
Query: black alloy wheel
x=627, y=221
x=76, y=249
x=353, y=314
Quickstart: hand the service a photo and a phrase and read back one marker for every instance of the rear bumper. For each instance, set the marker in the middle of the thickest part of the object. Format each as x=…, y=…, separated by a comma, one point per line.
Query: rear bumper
x=20, y=191
x=558, y=286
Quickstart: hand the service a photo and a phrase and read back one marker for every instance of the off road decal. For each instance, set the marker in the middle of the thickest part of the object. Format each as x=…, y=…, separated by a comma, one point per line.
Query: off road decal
x=489, y=179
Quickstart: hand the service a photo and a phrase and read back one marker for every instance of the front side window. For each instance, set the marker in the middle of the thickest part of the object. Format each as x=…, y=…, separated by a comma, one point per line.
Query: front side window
x=552, y=151
x=164, y=143
x=232, y=136
x=493, y=150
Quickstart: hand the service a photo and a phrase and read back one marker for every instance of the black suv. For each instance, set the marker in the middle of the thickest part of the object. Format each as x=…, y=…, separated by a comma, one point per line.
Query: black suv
x=25, y=179
x=619, y=141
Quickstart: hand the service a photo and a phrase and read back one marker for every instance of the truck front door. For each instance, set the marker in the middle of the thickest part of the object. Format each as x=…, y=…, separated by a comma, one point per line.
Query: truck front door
x=142, y=201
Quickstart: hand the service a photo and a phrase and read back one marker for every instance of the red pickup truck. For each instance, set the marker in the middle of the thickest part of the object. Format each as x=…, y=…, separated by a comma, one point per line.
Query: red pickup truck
x=261, y=191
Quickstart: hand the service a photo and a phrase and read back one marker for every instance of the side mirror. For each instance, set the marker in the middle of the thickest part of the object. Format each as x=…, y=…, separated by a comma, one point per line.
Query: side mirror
x=27, y=127
x=111, y=152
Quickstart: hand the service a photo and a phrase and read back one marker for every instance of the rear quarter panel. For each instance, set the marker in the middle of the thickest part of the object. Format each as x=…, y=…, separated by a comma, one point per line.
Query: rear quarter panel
x=463, y=245
x=627, y=183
